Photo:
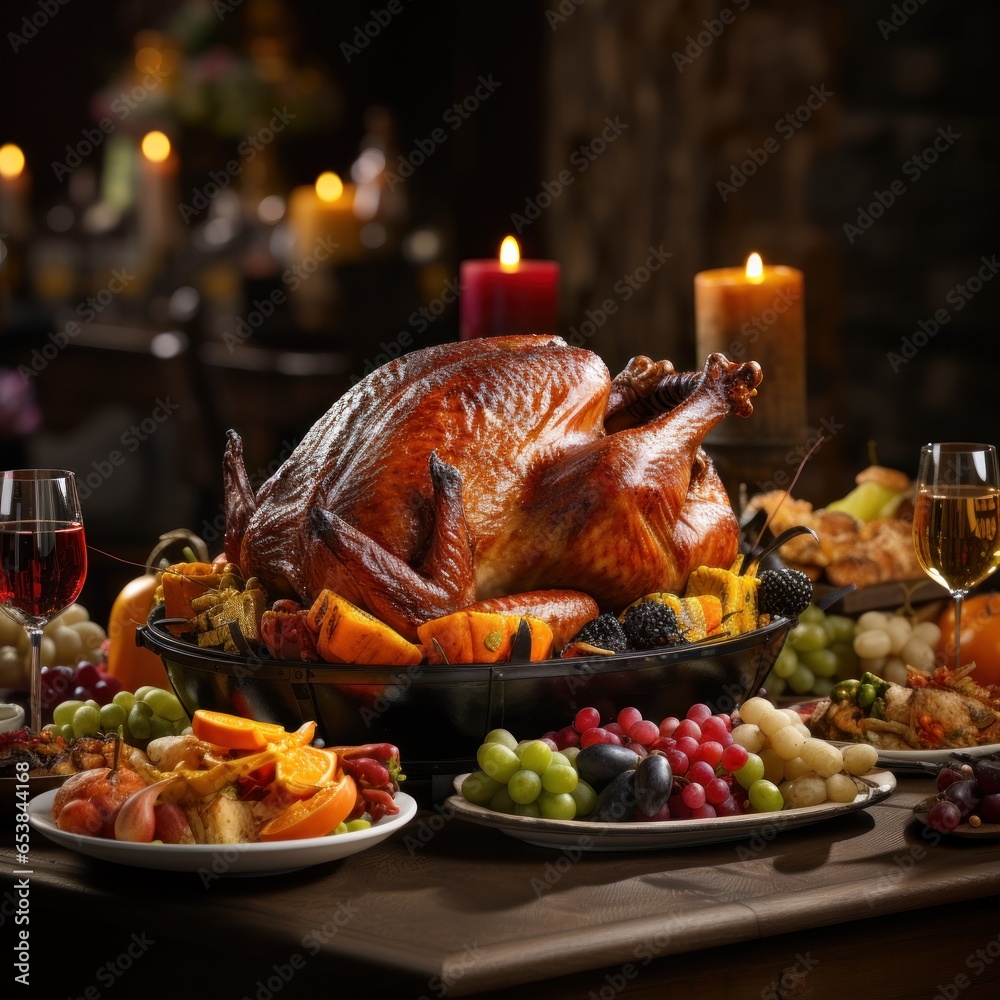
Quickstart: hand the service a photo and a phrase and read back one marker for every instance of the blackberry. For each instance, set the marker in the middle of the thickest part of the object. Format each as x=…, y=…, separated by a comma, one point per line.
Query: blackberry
x=784, y=592
x=650, y=625
x=604, y=634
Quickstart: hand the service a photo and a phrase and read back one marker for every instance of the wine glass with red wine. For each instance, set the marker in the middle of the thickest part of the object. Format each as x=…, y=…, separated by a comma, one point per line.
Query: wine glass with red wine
x=43, y=556
x=956, y=519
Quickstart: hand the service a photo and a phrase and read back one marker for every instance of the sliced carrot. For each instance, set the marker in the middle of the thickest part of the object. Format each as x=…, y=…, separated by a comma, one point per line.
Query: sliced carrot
x=316, y=816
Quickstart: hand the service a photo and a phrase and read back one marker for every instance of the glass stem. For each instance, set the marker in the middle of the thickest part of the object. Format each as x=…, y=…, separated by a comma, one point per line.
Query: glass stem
x=958, y=631
x=35, y=635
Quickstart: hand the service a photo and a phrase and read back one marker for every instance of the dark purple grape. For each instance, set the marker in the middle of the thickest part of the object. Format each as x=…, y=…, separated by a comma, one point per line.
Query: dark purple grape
x=653, y=782
x=947, y=776
x=944, y=816
x=964, y=795
x=616, y=803
x=987, y=774
x=989, y=808
x=599, y=763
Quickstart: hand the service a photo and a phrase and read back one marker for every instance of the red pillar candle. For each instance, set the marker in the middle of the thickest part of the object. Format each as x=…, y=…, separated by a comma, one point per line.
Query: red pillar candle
x=508, y=295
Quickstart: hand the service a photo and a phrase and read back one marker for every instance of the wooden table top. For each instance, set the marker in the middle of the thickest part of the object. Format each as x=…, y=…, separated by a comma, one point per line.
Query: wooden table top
x=447, y=908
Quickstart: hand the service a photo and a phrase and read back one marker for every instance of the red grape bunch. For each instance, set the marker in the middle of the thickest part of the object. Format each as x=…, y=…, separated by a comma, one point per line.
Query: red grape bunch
x=967, y=792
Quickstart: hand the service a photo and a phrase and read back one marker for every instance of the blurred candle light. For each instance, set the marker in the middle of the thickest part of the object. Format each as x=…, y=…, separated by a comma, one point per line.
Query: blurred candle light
x=15, y=216
x=508, y=295
x=756, y=313
x=329, y=187
x=155, y=147
x=158, y=196
x=322, y=221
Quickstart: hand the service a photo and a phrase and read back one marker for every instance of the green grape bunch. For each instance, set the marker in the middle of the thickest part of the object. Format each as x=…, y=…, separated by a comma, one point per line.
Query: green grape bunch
x=818, y=652
x=148, y=714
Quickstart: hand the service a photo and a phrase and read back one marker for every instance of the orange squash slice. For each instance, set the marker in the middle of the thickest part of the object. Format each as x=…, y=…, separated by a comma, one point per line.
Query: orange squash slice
x=481, y=637
x=347, y=634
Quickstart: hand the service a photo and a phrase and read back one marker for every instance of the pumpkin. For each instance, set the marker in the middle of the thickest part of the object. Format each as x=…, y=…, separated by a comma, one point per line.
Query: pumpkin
x=980, y=636
x=134, y=665
x=481, y=637
x=347, y=634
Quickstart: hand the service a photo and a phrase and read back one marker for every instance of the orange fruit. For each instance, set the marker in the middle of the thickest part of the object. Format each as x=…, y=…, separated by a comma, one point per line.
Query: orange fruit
x=238, y=733
x=304, y=769
x=316, y=816
x=232, y=731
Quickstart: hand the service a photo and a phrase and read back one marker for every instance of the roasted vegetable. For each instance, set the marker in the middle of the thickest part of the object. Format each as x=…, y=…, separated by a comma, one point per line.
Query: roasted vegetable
x=481, y=637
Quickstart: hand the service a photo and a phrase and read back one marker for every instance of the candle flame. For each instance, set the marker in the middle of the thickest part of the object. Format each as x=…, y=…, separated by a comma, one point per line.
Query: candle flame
x=755, y=267
x=155, y=147
x=510, y=254
x=329, y=186
x=11, y=161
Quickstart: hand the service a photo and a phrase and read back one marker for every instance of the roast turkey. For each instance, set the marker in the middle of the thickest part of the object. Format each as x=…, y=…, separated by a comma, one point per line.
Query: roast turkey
x=495, y=467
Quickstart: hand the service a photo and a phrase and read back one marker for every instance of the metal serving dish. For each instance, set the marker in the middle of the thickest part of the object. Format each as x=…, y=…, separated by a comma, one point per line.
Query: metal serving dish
x=438, y=715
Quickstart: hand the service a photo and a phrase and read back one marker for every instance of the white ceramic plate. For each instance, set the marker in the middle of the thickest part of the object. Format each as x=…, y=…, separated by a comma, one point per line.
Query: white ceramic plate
x=921, y=760
x=584, y=835
x=916, y=759
x=223, y=859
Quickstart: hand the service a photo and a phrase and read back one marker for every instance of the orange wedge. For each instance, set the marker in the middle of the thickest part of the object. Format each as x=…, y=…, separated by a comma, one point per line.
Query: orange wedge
x=302, y=770
x=232, y=731
x=316, y=816
x=238, y=733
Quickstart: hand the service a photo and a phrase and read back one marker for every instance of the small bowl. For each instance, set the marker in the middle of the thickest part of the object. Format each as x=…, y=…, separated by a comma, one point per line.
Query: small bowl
x=11, y=717
x=438, y=715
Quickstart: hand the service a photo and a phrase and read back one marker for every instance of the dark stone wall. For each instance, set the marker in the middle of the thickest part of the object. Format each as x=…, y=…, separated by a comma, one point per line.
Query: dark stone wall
x=856, y=141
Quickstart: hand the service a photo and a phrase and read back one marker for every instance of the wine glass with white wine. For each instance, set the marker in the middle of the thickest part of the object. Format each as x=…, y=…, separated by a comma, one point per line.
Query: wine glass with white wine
x=956, y=519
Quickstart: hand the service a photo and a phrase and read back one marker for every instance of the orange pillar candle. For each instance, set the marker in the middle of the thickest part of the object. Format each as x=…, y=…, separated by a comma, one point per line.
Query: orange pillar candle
x=755, y=313
x=159, y=229
x=323, y=222
x=15, y=214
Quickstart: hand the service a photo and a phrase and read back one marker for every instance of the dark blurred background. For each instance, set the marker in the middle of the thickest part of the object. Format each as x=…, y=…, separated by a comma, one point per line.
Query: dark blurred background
x=196, y=310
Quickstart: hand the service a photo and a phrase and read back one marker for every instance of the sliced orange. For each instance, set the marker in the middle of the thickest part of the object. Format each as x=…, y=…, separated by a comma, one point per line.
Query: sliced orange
x=316, y=816
x=232, y=731
x=304, y=769
x=238, y=733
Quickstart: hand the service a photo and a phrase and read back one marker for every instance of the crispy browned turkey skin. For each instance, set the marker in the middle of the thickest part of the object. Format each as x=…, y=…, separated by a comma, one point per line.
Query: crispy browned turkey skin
x=493, y=467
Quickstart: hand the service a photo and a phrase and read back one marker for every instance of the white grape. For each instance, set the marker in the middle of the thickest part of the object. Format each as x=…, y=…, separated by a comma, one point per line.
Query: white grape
x=859, y=758
x=899, y=629
x=49, y=658
x=894, y=671
x=753, y=708
x=876, y=620
x=918, y=654
x=795, y=767
x=749, y=737
x=73, y=614
x=806, y=790
x=823, y=758
x=871, y=643
x=787, y=742
x=841, y=788
x=774, y=766
x=770, y=722
x=68, y=643
x=928, y=632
